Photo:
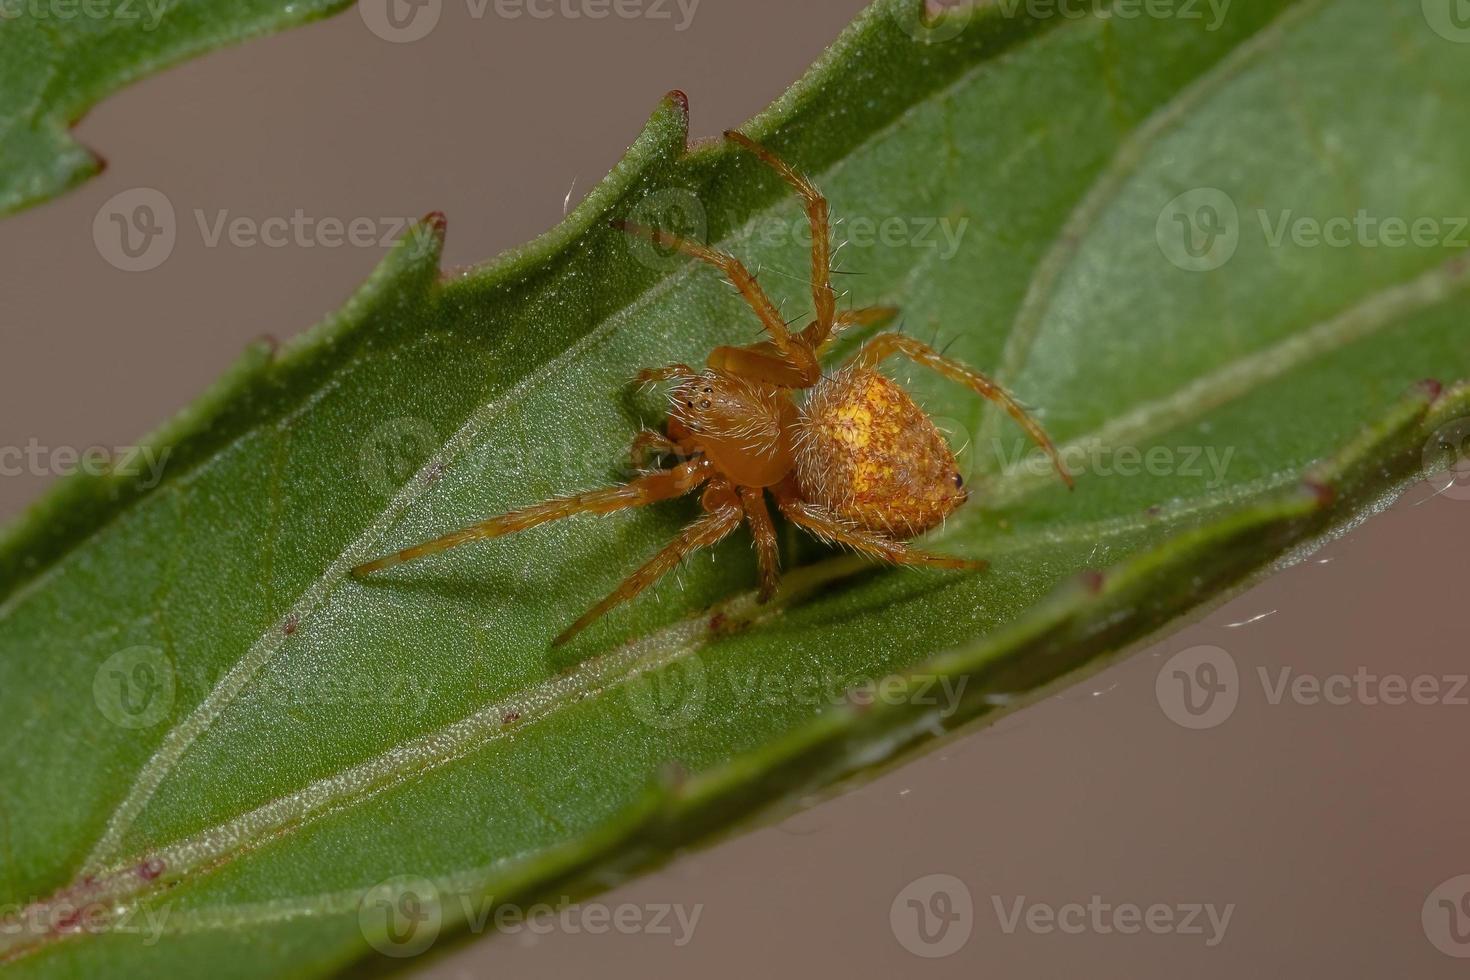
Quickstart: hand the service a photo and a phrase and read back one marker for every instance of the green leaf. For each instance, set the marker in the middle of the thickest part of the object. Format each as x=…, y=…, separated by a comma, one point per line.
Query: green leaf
x=300, y=737
x=58, y=58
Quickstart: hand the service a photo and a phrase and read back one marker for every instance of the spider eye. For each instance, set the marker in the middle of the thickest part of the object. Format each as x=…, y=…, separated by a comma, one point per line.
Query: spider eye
x=959, y=482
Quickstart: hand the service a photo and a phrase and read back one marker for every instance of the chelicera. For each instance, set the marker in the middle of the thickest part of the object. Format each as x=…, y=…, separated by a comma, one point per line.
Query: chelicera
x=856, y=462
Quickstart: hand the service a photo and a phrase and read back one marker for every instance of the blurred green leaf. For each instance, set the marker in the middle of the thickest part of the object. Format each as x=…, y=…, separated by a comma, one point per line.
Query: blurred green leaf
x=58, y=58
x=211, y=728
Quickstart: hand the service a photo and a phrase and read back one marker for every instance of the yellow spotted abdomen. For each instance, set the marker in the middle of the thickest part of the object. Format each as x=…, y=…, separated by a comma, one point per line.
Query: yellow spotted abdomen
x=865, y=451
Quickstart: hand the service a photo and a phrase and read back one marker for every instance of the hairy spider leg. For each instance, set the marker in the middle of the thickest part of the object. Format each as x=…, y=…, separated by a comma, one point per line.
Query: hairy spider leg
x=670, y=373
x=798, y=353
x=883, y=346
x=651, y=443
x=647, y=489
x=818, y=214
x=723, y=513
x=834, y=530
x=763, y=531
x=868, y=316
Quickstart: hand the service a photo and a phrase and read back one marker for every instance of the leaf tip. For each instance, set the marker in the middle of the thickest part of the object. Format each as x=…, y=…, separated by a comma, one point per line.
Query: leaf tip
x=1323, y=494
x=1093, y=581
x=672, y=776
x=1432, y=388
x=267, y=345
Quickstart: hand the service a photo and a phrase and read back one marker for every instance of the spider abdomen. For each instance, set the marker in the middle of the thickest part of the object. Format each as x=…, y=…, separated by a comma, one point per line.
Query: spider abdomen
x=866, y=451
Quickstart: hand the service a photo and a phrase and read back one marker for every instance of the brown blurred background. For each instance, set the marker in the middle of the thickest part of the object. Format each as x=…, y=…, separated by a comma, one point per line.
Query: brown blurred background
x=1322, y=829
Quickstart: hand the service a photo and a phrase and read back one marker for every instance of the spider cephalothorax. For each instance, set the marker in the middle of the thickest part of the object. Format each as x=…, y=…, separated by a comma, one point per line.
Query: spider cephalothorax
x=855, y=462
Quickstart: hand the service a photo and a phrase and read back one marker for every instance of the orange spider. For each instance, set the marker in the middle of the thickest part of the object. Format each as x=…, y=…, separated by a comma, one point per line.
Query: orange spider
x=856, y=463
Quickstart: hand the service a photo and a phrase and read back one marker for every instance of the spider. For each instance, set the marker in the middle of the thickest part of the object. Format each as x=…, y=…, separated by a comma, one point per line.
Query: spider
x=855, y=463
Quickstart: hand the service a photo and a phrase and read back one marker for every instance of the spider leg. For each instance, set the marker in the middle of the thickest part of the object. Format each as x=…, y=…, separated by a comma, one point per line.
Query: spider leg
x=647, y=489
x=831, y=528
x=824, y=299
x=722, y=515
x=868, y=316
x=650, y=443
x=885, y=345
x=797, y=352
x=753, y=499
x=673, y=371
